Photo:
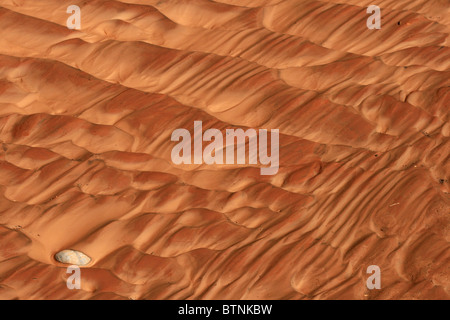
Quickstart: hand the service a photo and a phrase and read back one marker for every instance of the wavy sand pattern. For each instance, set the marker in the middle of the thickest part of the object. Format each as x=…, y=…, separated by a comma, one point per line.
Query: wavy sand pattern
x=85, y=124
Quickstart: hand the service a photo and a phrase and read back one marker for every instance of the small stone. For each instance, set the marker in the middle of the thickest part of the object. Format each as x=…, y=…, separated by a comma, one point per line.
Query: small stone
x=72, y=257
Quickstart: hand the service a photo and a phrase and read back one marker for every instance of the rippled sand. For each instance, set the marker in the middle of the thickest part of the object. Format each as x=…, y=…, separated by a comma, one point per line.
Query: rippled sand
x=85, y=124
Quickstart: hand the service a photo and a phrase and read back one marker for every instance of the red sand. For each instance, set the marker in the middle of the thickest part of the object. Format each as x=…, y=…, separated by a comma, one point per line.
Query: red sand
x=85, y=124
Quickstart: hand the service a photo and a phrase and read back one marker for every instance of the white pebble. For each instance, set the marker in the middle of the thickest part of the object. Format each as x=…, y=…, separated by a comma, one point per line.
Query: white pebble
x=72, y=257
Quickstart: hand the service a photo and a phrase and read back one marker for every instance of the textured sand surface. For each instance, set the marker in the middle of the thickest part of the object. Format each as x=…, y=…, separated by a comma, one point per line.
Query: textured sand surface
x=85, y=123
